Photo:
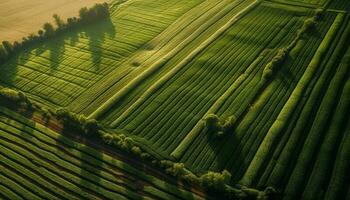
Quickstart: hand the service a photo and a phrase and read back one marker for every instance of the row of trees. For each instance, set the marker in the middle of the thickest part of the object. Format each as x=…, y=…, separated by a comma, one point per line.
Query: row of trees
x=308, y=27
x=86, y=16
x=216, y=182
x=17, y=98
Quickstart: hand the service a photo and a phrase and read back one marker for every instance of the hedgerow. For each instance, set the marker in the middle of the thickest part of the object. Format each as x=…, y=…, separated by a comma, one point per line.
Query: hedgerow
x=308, y=27
x=86, y=16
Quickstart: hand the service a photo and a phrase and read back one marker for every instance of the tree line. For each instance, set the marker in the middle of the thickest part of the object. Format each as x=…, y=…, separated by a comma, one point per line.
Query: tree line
x=86, y=16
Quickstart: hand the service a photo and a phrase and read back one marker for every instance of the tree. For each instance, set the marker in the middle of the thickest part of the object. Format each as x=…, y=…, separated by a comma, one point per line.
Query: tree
x=49, y=29
x=41, y=33
x=16, y=46
x=8, y=47
x=59, y=22
x=83, y=13
x=3, y=54
x=215, y=180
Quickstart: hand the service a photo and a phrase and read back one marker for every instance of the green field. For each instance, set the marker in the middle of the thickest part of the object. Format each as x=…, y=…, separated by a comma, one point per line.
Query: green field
x=38, y=163
x=274, y=73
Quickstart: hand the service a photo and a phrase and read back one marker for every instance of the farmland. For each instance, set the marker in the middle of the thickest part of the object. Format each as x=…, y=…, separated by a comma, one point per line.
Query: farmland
x=38, y=163
x=20, y=18
x=252, y=93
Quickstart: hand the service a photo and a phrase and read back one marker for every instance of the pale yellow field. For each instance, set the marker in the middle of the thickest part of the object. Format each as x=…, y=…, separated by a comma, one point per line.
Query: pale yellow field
x=19, y=18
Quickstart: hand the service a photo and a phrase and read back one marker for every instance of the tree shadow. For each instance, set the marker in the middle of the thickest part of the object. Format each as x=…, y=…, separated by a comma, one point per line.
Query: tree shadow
x=97, y=35
x=88, y=172
x=55, y=48
x=286, y=75
x=223, y=147
x=9, y=69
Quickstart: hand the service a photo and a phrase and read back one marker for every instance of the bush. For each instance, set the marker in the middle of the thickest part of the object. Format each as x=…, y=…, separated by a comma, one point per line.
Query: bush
x=309, y=25
x=18, y=98
x=58, y=21
x=275, y=63
x=76, y=122
x=174, y=169
x=215, y=180
x=49, y=30
x=219, y=126
x=8, y=47
x=97, y=12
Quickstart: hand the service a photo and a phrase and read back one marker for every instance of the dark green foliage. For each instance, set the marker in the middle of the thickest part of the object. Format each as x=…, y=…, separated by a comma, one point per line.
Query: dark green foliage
x=76, y=122
x=15, y=97
x=58, y=21
x=275, y=63
x=49, y=29
x=218, y=125
x=309, y=25
x=174, y=169
x=99, y=11
x=215, y=180
x=8, y=47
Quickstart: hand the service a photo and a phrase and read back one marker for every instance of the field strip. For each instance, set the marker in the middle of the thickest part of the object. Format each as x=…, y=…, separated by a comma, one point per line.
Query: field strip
x=291, y=104
x=120, y=74
x=163, y=48
x=50, y=145
x=294, y=4
x=135, y=82
x=174, y=70
x=180, y=149
x=190, y=137
x=316, y=134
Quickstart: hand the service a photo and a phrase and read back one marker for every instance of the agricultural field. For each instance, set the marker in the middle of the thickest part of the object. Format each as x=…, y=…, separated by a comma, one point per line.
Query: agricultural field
x=233, y=99
x=38, y=163
x=19, y=18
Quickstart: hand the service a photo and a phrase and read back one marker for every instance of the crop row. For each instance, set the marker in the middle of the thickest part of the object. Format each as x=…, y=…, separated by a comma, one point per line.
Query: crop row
x=213, y=71
x=242, y=145
x=47, y=165
x=74, y=61
x=207, y=29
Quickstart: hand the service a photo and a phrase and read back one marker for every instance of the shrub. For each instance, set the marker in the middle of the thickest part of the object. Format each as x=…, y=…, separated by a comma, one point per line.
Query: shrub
x=18, y=98
x=219, y=126
x=215, y=180
x=76, y=122
x=58, y=21
x=275, y=63
x=212, y=121
x=309, y=25
x=98, y=11
x=8, y=47
x=49, y=29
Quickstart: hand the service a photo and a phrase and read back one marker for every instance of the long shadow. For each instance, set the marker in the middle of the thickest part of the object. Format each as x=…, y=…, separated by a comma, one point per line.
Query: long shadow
x=97, y=35
x=9, y=69
x=227, y=149
x=87, y=170
x=90, y=172
x=55, y=47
